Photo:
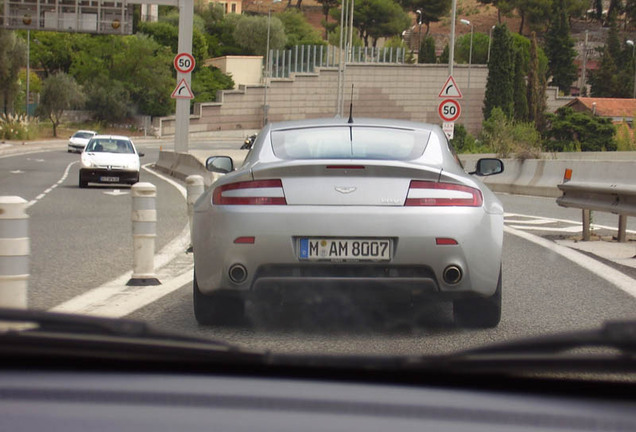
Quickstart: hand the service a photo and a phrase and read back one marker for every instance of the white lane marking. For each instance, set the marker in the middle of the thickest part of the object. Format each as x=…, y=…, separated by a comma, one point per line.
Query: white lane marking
x=59, y=182
x=116, y=192
x=571, y=229
x=115, y=299
x=621, y=280
x=17, y=172
x=530, y=221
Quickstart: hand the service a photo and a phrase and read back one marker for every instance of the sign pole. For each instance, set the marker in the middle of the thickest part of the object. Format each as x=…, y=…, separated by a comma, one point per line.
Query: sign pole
x=182, y=124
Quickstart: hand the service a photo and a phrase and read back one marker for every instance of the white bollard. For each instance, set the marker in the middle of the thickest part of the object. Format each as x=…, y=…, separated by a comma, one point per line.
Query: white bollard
x=144, y=230
x=195, y=188
x=14, y=252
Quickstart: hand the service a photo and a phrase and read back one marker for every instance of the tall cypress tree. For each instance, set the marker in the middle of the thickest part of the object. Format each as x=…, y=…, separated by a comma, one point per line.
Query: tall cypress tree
x=519, y=90
x=559, y=47
x=499, y=87
x=536, y=87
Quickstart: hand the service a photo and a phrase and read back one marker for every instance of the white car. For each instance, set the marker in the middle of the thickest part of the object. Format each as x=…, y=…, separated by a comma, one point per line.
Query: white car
x=109, y=159
x=78, y=141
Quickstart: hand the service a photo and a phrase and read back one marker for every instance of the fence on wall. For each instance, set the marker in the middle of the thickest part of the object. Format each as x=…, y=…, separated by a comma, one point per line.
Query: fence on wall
x=306, y=58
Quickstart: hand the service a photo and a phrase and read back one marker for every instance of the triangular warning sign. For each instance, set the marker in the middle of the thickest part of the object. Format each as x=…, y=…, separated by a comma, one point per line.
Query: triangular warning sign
x=450, y=89
x=182, y=91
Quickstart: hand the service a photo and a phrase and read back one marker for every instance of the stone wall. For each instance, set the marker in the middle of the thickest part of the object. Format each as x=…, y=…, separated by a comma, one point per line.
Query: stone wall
x=406, y=92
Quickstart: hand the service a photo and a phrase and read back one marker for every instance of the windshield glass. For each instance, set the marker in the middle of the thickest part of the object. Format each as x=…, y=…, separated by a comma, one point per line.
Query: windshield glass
x=109, y=145
x=83, y=135
x=349, y=143
x=374, y=190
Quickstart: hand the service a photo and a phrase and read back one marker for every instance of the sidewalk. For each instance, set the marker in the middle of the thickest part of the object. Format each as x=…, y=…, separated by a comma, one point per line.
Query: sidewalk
x=21, y=147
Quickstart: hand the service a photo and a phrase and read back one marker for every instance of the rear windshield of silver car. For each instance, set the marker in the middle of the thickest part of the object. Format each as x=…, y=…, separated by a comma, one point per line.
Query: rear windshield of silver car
x=346, y=142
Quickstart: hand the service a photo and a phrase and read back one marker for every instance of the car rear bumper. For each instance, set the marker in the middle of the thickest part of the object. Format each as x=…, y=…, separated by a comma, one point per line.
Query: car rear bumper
x=96, y=175
x=416, y=266
x=77, y=148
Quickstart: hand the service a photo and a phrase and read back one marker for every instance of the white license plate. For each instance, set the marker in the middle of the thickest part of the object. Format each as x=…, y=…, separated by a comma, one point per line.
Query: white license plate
x=109, y=179
x=345, y=249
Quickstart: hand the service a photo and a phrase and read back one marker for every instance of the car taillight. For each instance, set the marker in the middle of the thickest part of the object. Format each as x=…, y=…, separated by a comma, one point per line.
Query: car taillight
x=426, y=193
x=258, y=192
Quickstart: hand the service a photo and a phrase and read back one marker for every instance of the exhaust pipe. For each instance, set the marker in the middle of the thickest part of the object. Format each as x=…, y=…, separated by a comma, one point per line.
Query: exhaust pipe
x=238, y=273
x=452, y=275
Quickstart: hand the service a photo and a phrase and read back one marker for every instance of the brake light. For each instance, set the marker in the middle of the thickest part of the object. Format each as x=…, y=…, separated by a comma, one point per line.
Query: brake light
x=426, y=193
x=258, y=192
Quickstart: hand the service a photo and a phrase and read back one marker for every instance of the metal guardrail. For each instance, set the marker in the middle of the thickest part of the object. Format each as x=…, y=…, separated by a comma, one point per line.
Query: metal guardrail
x=618, y=199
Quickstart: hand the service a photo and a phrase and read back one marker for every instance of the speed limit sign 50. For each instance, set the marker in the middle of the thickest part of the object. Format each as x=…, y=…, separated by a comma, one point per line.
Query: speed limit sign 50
x=449, y=110
x=184, y=62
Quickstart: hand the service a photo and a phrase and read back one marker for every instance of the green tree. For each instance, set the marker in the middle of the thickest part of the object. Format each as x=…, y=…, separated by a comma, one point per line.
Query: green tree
x=327, y=6
x=569, y=130
x=53, y=51
x=375, y=19
x=35, y=87
x=108, y=100
x=480, y=48
x=251, y=34
x=536, y=83
x=12, y=59
x=167, y=34
x=219, y=30
x=559, y=47
x=535, y=12
x=499, y=86
x=207, y=82
x=430, y=10
x=504, y=7
x=298, y=30
x=427, y=51
x=603, y=81
x=143, y=66
x=60, y=92
x=520, y=89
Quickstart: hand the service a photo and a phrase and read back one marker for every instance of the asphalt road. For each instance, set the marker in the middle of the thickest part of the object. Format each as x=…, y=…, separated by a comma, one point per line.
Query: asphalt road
x=81, y=239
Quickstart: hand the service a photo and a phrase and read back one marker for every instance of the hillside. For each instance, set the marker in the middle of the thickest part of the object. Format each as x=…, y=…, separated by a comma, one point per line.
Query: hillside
x=482, y=16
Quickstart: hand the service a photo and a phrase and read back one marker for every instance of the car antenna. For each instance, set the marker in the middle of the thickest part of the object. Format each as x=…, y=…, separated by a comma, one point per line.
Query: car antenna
x=351, y=107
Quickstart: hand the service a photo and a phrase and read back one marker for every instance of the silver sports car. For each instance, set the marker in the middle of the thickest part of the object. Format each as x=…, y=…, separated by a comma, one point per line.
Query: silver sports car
x=381, y=210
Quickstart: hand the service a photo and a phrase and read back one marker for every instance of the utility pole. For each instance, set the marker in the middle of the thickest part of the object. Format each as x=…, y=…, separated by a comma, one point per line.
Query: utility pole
x=451, y=48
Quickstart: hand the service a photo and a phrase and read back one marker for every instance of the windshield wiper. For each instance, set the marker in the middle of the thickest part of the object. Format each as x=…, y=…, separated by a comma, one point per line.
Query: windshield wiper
x=33, y=332
x=609, y=349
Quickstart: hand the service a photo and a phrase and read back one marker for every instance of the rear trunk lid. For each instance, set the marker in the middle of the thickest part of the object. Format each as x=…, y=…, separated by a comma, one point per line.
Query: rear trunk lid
x=346, y=182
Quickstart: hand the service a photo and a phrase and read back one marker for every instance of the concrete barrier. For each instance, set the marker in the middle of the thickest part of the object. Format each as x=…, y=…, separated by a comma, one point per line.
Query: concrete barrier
x=540, y=177
x=182, y=165
x=537, y=177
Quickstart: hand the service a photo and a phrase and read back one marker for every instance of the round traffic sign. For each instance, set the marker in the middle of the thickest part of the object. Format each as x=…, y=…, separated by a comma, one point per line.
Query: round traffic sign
x=184, y=62
x=449, y=110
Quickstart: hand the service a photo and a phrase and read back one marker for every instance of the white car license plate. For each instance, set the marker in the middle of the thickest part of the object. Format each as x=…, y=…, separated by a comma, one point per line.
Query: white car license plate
x=345, y=249
x=109, y=179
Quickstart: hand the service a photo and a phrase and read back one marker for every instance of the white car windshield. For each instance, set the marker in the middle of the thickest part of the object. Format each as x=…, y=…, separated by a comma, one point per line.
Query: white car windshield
x=110, y=145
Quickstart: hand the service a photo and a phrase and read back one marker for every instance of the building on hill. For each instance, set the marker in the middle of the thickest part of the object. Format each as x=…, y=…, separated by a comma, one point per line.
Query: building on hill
x=619, y=110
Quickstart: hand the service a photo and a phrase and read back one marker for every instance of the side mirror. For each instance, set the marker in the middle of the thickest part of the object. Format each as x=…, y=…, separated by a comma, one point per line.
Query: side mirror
x=219, y=164
x=141, y=154
x=488, y=166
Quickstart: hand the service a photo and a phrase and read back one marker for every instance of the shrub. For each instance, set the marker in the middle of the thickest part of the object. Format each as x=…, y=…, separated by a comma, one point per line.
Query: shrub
x=18, y=127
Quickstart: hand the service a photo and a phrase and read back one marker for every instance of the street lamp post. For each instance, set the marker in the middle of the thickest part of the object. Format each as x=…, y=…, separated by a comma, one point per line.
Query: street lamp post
x=419, y=34
x=28, y=69
x=470, y=52
x=267, y=68
x=451, y=50
x=631, y=42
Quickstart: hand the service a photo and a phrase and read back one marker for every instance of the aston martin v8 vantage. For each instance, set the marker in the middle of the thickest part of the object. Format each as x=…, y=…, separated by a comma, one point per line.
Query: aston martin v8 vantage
x=381, y=210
